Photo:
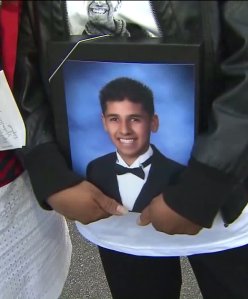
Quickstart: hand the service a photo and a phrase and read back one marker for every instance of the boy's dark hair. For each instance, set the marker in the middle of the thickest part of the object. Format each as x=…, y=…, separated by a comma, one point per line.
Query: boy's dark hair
x=126, y=88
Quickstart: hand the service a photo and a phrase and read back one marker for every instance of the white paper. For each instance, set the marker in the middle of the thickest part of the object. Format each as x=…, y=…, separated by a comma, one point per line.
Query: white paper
x=12, y=128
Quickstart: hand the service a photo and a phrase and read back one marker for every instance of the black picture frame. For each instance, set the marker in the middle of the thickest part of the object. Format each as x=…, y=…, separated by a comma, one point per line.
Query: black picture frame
x=112, y=50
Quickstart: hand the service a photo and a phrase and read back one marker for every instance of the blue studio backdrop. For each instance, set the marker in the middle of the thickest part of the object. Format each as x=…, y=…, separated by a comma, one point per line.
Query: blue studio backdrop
x=173, y=87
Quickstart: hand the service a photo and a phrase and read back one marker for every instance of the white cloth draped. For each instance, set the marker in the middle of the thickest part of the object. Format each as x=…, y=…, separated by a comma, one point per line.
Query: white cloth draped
x=35, y=246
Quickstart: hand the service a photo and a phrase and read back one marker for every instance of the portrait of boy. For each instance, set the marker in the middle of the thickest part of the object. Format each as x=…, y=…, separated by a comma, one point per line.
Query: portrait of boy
x=137, y=171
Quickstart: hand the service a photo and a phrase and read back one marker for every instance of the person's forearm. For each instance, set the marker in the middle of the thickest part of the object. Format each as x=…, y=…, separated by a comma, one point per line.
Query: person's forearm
x=203, y=191
x=49, y=172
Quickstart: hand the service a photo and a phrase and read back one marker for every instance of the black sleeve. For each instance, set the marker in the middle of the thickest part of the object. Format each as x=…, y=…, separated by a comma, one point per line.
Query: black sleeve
x=48, y=169
x=215, y=178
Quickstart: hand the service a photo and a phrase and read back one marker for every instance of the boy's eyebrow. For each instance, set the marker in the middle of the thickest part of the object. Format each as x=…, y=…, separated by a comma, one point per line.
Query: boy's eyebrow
x=129, y=115
x=136, y=115
x=111, y=114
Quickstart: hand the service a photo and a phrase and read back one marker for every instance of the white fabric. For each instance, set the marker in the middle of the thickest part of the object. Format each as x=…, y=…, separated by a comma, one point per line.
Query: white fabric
x=122, y=233
x=134, y=183
x=35, y=246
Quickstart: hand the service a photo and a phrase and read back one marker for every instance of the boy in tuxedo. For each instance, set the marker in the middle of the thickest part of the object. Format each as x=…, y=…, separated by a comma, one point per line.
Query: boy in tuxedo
x=137, y=171
x=133, y=175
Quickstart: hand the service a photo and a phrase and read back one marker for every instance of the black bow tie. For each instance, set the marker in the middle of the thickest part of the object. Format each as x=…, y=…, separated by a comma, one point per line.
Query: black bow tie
x=138, y=171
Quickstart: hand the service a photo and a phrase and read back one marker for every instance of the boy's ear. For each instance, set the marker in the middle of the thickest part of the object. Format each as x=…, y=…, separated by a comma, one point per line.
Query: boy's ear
x=104, y=122
x=154, y=123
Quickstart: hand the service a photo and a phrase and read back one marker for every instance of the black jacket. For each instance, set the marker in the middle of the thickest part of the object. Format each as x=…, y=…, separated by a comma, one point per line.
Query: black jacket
x=218, y=168
x=163, y=172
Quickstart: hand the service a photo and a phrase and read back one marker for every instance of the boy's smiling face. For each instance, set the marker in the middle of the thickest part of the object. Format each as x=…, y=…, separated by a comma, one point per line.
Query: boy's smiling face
x=129, y=127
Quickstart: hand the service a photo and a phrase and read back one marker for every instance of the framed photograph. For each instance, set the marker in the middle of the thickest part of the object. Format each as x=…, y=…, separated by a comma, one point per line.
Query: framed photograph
x=80, y=73
x=83, y=73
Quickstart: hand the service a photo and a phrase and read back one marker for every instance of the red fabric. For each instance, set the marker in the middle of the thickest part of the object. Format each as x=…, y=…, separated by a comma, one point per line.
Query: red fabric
x=9, y=20
x=10, y=167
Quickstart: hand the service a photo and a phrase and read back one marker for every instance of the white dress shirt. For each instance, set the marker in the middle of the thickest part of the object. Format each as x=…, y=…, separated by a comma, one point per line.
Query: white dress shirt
x=129, y=184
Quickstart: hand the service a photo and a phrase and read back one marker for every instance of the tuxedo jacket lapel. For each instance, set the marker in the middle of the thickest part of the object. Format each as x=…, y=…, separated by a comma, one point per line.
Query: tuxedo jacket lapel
x=110, y=180
x=104, y=177
x=159, y=176
x=150, y=187
x=101, y=173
